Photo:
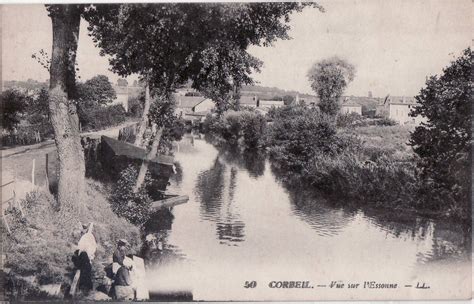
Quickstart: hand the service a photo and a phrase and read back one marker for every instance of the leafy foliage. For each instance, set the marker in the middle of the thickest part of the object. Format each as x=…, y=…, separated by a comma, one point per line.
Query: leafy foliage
x=203, y=42
x=97, y=117
x=385, y=121
x=444, y=142
x=136, y=105
x=133, y=206
x=38, y=108
x=356, y=175
x=298, y=134
x=98, y=90
x=92, y=99
x=329, y=78
x=344, y=120
x=234, y=126
x=162, y=113
x=13, y=104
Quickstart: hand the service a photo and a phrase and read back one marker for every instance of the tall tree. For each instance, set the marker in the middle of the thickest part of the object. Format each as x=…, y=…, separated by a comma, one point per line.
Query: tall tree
x=204, y=43
x=63, y=113
x=329, y=78
x=444, y=141
x=98, y=89
x=164, y=43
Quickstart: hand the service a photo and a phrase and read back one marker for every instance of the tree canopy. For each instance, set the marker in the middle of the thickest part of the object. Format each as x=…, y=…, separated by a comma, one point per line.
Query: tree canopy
x=98, y=90
x=329, y=78
x=443, y=143
x=13, y=104
x=172, y=43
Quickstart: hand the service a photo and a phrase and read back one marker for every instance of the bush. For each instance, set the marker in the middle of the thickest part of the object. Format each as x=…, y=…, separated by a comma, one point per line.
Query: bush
x=234, y=126
x=296, y=137
x=135, y=207
x=136, y=105
x=96, y=117
x=350, y=120
x=253, y=129
x=13, y=104
x=385, y=121
x=354, y=176
x=27, y=135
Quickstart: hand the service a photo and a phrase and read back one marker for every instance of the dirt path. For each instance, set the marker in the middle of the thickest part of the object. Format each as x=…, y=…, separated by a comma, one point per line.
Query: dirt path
x=17, y=162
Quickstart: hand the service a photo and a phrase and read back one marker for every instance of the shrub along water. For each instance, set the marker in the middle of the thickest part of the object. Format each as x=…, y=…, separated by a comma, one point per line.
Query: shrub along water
x=238, y=127
x=133, y=206
x=298, y=134
x=347, y=157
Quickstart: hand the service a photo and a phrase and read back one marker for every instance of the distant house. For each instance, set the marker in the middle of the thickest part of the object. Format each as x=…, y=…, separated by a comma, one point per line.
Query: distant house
x=351, y=107
x=193, y=107
x=398, y=109
x=270, y=103
x=249, y=101
x=400, y=113
x=124, y=93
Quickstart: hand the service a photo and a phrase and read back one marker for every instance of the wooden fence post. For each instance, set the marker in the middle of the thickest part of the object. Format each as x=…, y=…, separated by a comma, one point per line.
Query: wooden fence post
x=33, y=174
x=47, y=171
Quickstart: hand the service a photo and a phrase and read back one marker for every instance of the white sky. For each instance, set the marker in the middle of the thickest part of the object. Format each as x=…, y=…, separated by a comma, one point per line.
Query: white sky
x=393, y=44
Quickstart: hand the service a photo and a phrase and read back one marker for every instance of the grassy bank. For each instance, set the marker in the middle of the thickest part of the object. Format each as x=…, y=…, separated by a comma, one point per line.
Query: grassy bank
x=40, y=249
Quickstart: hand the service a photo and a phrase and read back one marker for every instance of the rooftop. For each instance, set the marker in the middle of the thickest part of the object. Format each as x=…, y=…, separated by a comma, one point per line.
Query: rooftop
x=188, y=101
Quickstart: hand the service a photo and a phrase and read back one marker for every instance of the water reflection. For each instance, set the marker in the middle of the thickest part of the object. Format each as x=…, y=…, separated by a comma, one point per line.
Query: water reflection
x=252, y=162
x=242, y=218
x=324, y=219
x=215, y=188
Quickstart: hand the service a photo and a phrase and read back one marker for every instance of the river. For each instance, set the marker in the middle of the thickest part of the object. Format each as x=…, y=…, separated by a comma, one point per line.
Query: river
x=241, y=224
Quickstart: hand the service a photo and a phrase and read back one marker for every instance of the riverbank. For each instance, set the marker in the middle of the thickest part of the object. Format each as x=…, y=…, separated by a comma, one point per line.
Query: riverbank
x=37, y=252
x=40, y=245
x=365, y=165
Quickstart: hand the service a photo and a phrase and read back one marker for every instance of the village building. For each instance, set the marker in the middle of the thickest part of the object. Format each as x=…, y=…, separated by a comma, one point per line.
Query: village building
x=249, y=101
x=351, y=107
x=399, y=112
x=124, y=92
x=270, y=103
x=398, y=109
x=193, y=107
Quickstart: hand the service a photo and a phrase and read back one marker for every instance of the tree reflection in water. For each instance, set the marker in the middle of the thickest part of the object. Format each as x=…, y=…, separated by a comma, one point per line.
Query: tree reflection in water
x=215, y=188
x=436, y=240
x=325, y=219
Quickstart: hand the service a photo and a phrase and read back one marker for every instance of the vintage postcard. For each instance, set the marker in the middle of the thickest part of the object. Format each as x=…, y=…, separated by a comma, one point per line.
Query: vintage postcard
x=236, y=151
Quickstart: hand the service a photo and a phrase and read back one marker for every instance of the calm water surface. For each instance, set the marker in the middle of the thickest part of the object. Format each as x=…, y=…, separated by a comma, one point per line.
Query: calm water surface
x=241, y=224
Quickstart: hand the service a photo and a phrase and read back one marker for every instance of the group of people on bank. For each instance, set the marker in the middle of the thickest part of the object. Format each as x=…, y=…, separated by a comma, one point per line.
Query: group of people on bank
x=121, y=284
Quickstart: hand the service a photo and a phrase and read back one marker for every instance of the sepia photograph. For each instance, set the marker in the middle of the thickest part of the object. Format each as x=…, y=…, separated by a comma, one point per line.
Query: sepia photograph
x=236, y=151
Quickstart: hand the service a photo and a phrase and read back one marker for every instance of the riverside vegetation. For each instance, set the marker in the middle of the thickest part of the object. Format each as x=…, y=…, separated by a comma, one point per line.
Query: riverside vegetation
x=368, y=164
x=424, y=169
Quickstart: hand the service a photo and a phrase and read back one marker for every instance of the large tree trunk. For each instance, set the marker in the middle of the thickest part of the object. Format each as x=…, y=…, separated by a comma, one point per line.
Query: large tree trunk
x=144, y=121
x=63, y=113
